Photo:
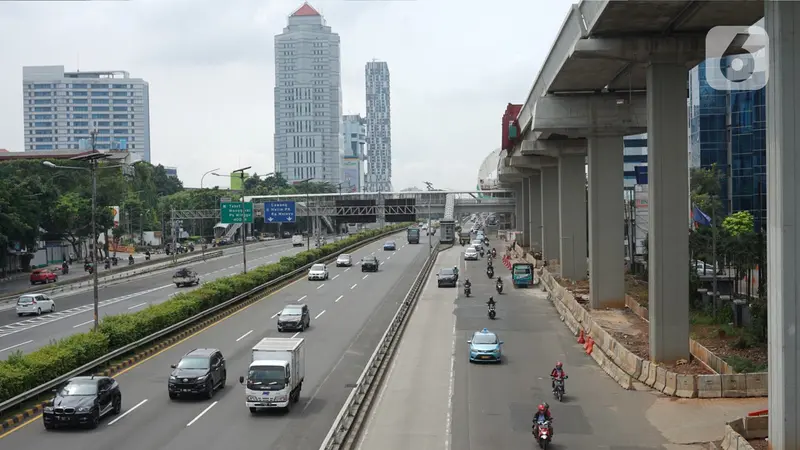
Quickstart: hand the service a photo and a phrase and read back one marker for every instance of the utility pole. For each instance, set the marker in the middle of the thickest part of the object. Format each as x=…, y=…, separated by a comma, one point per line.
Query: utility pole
x=244, y=225
x=714, y=254
x=174, y=227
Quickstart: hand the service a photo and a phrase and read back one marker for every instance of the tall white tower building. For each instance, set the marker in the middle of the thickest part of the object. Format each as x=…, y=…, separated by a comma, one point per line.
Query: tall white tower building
x=61, y=108
x=379, y=128
x=308, y=99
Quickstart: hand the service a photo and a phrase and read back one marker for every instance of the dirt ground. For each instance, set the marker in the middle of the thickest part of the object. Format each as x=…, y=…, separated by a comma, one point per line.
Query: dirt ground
x=722, y=339
x=759, y=444
x=637, y=289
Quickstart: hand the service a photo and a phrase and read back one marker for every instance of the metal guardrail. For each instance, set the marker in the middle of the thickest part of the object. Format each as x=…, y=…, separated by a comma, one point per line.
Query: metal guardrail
x=88, y=367
x=346, y=428
x=112, y=274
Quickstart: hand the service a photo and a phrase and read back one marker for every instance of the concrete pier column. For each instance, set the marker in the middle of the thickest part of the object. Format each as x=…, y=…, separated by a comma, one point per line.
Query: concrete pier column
x=526, y=212
x=572, y=216
x=606, y=222
x=535, y=201
x=551, y=230
x=783, y=223
x=516, y=219
x=668, y=166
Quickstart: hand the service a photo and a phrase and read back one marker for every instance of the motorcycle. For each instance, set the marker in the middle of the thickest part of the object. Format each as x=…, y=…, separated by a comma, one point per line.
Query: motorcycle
x=489, y=263
x=494, y=253
x=90, y=270
x=543, y=434
x=64, y=269
x=492, y=313
x=490, y=272
x=558, y=391
x=467, y=290
x=481, y=252
x=87, y=266
x=130, y=261
x=147, y=256
x=499, y=287
x=107, y=265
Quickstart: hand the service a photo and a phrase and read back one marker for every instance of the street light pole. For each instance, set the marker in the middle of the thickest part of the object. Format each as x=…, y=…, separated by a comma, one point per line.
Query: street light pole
x=244, y=225
x=308, y=213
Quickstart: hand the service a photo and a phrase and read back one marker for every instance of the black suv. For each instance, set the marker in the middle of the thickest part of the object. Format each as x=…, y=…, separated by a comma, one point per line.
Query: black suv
x=201, y=371
x=369, y=264
x=83, y=401
x=447, y=277
x=294, y=318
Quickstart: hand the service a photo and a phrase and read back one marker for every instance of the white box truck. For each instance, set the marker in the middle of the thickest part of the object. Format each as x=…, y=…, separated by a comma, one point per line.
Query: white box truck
x=275, y=376
x=298, y=241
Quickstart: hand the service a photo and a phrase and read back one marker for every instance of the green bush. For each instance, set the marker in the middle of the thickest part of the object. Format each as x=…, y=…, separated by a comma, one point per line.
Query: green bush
x=20, y=373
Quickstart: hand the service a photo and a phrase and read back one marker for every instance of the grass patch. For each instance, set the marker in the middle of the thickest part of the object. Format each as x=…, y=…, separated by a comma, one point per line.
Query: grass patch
x=744, y=365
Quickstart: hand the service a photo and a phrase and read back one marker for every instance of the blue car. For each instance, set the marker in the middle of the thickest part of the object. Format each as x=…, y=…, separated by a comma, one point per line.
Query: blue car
x=390, y=245
x=485, y=346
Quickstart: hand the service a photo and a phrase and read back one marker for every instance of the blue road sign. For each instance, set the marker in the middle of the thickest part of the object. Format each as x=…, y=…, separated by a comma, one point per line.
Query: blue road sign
x=279, y=212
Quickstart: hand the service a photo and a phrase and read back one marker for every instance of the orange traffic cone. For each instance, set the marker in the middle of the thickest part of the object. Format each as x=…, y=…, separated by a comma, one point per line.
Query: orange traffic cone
x=581, y=339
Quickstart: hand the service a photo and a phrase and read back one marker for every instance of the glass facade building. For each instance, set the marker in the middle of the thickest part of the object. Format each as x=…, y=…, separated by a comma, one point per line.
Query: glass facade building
x=634, y=155
x=728, y=128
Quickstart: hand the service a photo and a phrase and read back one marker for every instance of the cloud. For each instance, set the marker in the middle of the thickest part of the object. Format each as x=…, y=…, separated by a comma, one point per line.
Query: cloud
x=454, y=66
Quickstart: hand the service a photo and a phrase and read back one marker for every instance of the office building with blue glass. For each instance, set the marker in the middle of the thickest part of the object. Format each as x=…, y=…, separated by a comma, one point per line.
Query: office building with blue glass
x=728, y=129
x=635, y=159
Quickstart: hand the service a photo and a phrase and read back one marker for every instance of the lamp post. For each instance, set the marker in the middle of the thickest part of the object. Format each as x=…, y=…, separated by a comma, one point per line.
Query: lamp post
x=308, y=213
x=204, y=175
x=429, y=185
x=244, y=225
x=93, y=159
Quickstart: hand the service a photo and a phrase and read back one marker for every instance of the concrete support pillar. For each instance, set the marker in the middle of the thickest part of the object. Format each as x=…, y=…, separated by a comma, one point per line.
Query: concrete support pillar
x=783, y=223
x=526, y=212
x=606, y=222
x=551, y=229
x=572, y=216
x=517, y=215
x=535, y=201
x=668, y=166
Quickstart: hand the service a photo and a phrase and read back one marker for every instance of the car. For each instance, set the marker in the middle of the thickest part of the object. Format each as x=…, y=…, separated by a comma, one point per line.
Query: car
x=478, y=244
x=318, y=272
x=83, y=401
x=200, y=372
x=471, y=254
x=485, y=346
x=369, y=264
x=35, y=304
x=344, y=260
x=43, y=276
x=390, y=246
x=294, y=318
x=446, y=277
x=185, y=277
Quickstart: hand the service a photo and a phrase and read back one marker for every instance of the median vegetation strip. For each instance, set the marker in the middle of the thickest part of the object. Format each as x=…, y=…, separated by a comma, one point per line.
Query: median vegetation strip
x=22, y=372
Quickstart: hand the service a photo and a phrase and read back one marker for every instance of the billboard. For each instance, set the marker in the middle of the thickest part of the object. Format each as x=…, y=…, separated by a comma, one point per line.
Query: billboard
x=236, y=180
x=115, y=211
x=351, y=175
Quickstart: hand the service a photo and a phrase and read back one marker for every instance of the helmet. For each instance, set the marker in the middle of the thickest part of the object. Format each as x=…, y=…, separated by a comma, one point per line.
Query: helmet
x=542, y=408
x=559, y=365
x=545, y=406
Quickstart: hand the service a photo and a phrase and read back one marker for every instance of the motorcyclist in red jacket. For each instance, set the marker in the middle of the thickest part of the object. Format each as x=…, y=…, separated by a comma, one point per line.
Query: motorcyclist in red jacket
x=543, y=413
x=558, y=373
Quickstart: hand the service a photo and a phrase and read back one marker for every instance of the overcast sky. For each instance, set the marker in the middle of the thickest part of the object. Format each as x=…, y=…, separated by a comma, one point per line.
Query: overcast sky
x=454, y=65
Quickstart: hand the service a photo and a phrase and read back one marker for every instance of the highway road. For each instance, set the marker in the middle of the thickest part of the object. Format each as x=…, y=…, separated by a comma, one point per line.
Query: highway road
x=74, y=311
x=435, y=399
x=350, y=312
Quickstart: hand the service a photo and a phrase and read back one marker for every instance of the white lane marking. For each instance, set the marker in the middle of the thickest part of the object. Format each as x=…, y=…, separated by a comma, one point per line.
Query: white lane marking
x=275, y=315
x=365, y=277
x=137, y=306
x=393, y=253
x=201, y=414
x=348, y=268
x=337, y=276
x=382, y=262
x=353, y=286
x=244, y=335
x=302, y=298
x=84, y=323
x=7, y=330
x=295, y=335
x=337, y=300
x=449, y=423
x=317, y=317
x=373, y=253
x=320, y=286
x=20, y=345
x=388, y=258
x=127, y=412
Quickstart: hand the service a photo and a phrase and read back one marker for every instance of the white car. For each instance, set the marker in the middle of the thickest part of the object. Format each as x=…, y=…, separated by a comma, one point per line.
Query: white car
x=318, y=272
x=35, y=304
x=471, y=254
x=477, y=244
x=344, y=260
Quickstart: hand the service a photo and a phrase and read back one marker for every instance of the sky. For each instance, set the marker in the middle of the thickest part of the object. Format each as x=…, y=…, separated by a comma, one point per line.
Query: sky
x=210, y=65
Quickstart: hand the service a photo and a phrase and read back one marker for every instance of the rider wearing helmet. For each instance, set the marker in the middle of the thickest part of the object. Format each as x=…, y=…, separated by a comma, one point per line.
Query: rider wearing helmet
x=543, y=413
x=558, y=373
x=491, y=301
x=467, y=283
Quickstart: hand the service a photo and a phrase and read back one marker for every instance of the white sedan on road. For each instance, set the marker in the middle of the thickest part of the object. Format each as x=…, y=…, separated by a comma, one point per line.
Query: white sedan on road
x=318, y=272
x=35, y=304
x=471, y=254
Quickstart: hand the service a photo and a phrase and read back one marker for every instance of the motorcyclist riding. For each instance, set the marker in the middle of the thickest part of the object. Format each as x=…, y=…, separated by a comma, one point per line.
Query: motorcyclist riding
x=491, y=302
x=130, y=259
x=489, y=262
x=542, y=414
x=467, y=283
x=494, y=252
x=455, y=270
x=558, y=373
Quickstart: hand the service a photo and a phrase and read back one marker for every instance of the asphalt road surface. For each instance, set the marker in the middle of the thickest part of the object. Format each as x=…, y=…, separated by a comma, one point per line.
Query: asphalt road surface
x=349, y=312
x=74, y=310
x=435, y=399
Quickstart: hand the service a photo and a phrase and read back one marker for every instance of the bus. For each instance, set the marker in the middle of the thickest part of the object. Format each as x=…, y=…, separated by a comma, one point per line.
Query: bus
x=352, y=228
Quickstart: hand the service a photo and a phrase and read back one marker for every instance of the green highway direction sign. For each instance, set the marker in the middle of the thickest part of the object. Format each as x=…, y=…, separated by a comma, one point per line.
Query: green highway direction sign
x=231, y=212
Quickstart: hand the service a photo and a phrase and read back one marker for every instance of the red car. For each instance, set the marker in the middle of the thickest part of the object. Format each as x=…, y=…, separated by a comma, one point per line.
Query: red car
x=43, y=276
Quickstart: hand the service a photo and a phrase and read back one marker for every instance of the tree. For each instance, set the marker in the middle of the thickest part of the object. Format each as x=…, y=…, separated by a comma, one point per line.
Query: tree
x=705, y=190
x=739, y=223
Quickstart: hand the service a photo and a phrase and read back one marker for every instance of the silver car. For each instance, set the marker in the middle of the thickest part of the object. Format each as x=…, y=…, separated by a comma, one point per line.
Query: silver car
x=344, y=260
x=318, y=272
x=471, y=254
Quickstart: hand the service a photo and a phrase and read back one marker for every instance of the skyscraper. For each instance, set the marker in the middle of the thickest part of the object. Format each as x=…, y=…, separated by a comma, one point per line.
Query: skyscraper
x=61, y=108
x=379, y=127
x=308, y=99
x=354, y=133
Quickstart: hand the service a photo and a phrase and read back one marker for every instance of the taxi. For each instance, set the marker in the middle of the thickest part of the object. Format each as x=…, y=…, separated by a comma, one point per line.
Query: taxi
x=485, y=346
